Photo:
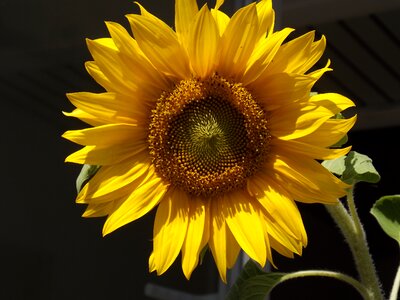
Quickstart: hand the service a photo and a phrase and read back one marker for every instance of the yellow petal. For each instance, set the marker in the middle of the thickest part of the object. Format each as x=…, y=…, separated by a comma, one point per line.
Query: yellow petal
x=152, y=266
x=206, y=233
x=298, y=192
x=238, y=41
x=263, y=54
x=256, y=184
x=191, y=247
x=98, y=210
x=109, y=134
x=305, y=172
x=278, y=247
x=293, y=55
x=218, y=3
x=329, y=132
x=232, y=249
x=217, y=240
x=123, y=40
x=316, y=51
x=106, y=155
x=139, y=203
x=134, y=61
x=282, y=210
x=332, y=101
x=281, y=89
x=114, y=195
x=170, y=228
x=221, y=19
x=109, y=108
x=317, y=74
x=296, y=120
x=266, y=236
x=266, y=17
x=241, y=215
x=185, y=12
x=93, y=69
x=84, y=116
x=299, y=55
x=110, y=181
x=294, y=185
x=270, y=196
x=282, y=238
x=107, y=59
x=309, y=150
x=160, y=45
x=203, y=43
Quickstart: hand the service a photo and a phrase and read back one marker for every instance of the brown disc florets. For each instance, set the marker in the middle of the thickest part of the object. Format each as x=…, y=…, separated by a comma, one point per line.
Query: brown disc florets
x=207, y=136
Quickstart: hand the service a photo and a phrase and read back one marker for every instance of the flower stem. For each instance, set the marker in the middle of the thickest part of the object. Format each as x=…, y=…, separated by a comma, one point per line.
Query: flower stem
x=358, y=228
x=345, y=278
x=354, y=234
x=396, y=284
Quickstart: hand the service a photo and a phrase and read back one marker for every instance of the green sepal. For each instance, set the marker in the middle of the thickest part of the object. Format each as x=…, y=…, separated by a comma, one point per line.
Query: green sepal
x=341, y=142
x=202, y=254
x=253, y=283
x=87, y=172
x=387, y=212
x=354, y=167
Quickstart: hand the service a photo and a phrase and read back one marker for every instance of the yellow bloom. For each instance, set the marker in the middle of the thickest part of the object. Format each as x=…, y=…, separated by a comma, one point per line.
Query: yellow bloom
x=214, y=125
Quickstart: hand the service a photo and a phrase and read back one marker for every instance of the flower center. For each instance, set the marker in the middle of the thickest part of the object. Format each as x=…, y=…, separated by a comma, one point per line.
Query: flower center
x=208, y=136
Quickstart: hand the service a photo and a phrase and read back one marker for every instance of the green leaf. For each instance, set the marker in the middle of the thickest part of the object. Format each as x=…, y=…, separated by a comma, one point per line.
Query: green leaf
x=253, y=283
x=249, y=270
x=387, y=212
x=336, y=166
x=359, y=167
x=353, y=168
x=257, y=287
x=87, y=172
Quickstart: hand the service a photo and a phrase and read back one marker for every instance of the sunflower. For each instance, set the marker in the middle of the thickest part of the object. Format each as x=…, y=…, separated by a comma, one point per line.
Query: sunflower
x=214, y=125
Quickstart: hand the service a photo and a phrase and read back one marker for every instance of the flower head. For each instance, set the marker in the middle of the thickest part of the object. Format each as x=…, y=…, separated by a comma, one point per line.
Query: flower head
x=212, y=124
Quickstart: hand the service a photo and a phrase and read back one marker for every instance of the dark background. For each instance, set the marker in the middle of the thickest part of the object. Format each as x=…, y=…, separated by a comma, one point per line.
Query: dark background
x=49, y=252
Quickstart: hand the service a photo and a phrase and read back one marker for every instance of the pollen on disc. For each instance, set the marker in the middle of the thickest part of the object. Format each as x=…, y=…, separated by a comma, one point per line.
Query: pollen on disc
x=208, y=136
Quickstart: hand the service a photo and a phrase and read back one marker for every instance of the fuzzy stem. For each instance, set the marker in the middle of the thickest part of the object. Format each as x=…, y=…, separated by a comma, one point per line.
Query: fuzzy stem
x=396, y=284
x=345, y=278
x=352, y=230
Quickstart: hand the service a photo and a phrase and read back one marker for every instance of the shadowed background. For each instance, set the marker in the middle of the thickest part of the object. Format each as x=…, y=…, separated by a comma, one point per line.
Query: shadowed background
x=49, y=252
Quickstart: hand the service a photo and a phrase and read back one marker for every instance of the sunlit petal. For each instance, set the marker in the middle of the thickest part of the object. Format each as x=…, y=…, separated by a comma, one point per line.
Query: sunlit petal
x=185, y=12
x=218, y=238
x=160, y=45
x=203, y=43
x=240, y=215
x=192, y=244
x=170, y=228
x=139, y=203
x=238, y=41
